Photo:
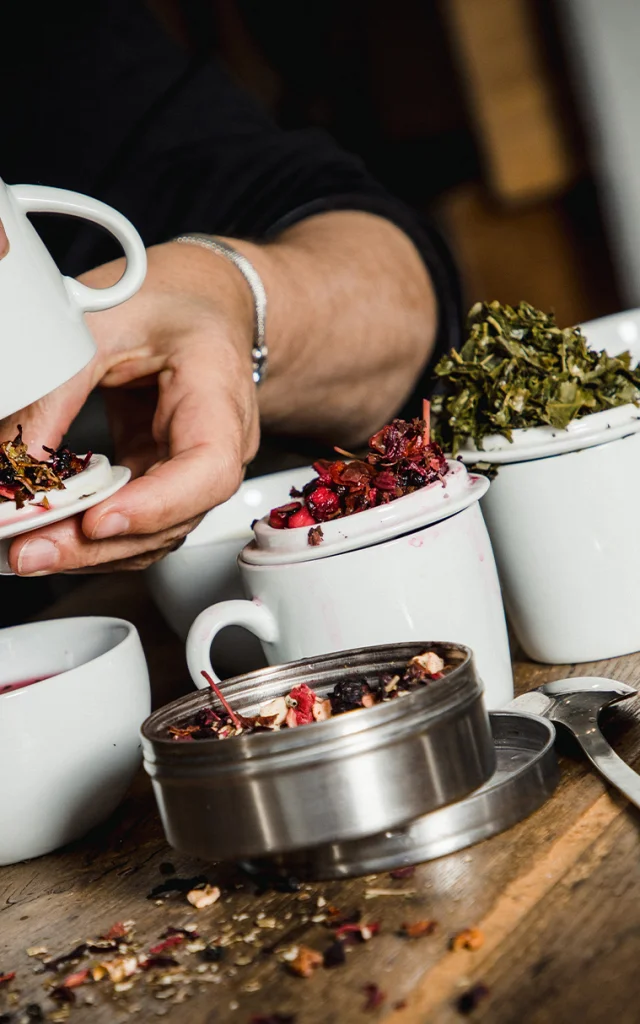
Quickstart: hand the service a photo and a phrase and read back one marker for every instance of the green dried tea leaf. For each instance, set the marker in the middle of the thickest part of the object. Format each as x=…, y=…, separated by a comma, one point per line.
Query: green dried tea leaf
x=518, y=369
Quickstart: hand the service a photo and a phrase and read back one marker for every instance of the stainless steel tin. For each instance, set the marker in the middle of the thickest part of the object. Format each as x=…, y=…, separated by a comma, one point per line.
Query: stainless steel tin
x=526, y=775
x=354, y=775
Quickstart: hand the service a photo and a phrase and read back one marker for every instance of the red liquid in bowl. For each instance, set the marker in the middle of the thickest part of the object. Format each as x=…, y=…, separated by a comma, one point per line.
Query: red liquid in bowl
x=10, y=687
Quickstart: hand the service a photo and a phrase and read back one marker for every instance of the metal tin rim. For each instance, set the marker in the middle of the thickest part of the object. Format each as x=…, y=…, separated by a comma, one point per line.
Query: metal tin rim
x=412, y=712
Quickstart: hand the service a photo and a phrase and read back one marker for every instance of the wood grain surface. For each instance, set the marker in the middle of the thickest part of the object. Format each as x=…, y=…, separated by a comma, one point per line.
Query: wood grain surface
x=556, y=898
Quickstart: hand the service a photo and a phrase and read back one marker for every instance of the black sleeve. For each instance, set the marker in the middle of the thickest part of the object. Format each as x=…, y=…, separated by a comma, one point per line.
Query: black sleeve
x=178, y=147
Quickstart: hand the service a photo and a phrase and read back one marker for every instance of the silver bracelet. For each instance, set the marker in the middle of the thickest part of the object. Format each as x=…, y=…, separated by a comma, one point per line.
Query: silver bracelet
x=259, y=352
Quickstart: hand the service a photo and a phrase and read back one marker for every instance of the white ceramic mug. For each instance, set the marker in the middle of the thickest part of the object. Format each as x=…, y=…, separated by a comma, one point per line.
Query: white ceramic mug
x=40, y=310
x=69, y=745
x=435, y=583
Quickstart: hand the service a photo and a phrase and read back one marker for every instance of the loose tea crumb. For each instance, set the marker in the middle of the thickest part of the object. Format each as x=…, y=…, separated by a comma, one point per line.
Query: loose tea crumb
x=407, y=872
x=305, y=962
x=470, y=1000
x=470, y=938
x=206, y=897
x=418, y=929
x=315, y=536
x=374, y=997
x=401, y=459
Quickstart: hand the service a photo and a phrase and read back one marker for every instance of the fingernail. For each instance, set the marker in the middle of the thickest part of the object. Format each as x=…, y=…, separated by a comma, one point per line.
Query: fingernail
x=37, y=557
x=111, y=525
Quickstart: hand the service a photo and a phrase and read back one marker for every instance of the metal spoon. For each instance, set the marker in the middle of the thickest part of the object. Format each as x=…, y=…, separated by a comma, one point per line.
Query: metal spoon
x=576, y=704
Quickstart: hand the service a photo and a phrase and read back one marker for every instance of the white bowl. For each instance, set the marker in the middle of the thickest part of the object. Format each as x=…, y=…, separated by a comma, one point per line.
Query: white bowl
x=204, y=570
x=69, y=745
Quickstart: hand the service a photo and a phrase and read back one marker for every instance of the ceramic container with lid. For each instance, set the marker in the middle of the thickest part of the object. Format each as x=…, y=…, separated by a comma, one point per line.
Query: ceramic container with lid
x=562, y=513
x=353, y=775
x=421, y=565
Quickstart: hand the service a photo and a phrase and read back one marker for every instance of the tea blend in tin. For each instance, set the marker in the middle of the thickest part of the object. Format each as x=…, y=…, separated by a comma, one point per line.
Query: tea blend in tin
x=303, y=705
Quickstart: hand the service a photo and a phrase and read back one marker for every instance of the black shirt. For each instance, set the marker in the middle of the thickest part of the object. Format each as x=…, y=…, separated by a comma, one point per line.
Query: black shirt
x=98, y=99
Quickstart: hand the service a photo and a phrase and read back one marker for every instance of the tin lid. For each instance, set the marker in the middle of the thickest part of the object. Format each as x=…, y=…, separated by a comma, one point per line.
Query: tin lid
x=430, y=504
x=526, y=775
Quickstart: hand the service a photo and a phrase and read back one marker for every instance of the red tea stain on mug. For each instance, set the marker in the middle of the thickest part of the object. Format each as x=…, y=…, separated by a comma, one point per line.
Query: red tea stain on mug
x=416, y=542
x=10, y=687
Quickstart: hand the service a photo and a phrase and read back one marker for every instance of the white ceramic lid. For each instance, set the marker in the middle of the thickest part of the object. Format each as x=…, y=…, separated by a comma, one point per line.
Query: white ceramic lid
x=540, y=442
x=95, y=483
x=613, y=334
x=421, y=508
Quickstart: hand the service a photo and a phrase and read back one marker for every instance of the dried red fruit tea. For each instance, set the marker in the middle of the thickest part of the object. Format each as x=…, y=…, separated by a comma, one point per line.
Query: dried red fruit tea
x=303, y=706
x=401, y=459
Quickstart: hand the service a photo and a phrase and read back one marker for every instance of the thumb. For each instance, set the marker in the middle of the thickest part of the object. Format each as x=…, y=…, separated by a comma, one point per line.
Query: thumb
x=47, y=420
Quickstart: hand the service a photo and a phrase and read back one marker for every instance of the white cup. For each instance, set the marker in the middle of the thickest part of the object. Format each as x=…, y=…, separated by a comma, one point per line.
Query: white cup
x=69, y=745
x=562, y=514
x=434, y=583
x=40, y=310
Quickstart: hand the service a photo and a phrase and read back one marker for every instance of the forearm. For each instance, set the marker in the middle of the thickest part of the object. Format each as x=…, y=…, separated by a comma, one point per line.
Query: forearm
x=351, y=322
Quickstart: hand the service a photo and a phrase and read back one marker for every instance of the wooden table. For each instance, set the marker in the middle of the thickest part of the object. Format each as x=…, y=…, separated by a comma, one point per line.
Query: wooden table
x=557, y=899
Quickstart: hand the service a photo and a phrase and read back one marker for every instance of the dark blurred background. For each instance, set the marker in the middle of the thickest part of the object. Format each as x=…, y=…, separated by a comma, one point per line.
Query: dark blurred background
x=469, y=109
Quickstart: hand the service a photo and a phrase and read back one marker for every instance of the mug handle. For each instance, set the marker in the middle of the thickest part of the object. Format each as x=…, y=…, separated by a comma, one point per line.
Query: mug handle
x=43, y=199
x=252, y=615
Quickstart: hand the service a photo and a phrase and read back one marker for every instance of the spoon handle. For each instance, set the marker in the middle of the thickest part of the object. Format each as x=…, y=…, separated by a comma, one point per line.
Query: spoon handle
x=605, y=759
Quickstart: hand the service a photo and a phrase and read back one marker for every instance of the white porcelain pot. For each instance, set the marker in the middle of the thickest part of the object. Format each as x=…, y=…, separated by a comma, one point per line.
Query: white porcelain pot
x=69, y=745
x=416, y=569
x=567, y=543
x=562, y=514
x=40, y=310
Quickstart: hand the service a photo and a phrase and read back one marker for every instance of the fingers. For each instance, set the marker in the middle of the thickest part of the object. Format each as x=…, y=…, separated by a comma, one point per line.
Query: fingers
x=63, y=547
x=47, y=421
x=4, y=241
x=211, y=435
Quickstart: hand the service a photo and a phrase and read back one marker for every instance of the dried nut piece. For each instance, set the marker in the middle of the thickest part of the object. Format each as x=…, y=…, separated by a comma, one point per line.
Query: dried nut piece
x=305, y=962
x=321, y=710
x=275, y=710
x=429, y=661
x=470, y=938
x=206, y=897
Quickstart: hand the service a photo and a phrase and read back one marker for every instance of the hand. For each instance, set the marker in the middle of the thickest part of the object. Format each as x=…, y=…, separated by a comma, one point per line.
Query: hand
x=175, y=363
